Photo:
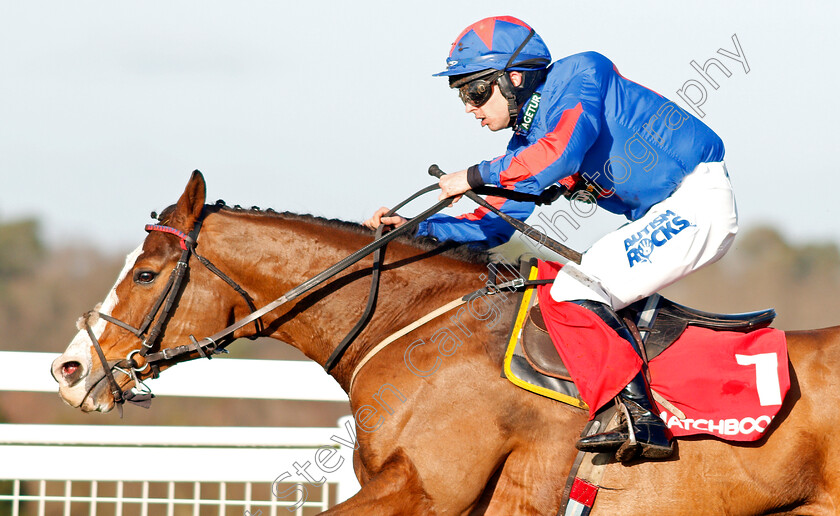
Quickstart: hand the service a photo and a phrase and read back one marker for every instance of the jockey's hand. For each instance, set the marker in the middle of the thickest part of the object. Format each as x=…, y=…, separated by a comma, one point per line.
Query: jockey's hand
x=453, y=184
x=379, y=218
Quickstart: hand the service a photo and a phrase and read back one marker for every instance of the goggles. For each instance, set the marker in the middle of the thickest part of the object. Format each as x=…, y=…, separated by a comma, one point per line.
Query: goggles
x=478, y=91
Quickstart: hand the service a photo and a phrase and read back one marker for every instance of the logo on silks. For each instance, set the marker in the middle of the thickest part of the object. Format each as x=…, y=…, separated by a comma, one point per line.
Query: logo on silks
x=659, y=232
x=530, y=112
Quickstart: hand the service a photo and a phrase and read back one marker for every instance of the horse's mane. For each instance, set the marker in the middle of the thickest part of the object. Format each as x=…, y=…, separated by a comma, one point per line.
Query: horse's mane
x=451, y=249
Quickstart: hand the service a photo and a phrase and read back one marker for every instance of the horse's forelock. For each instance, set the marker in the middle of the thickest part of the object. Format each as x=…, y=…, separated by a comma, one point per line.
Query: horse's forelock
x=166, y=215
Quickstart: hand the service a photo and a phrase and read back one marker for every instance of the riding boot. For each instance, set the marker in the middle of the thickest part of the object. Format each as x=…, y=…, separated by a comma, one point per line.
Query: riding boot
x=650, y=436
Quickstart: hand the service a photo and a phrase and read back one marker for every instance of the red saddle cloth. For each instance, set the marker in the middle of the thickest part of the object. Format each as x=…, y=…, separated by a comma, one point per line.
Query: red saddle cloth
x=727, y=384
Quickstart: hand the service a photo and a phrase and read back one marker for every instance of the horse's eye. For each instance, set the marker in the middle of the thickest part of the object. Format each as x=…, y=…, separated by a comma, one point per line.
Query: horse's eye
x=144, y=277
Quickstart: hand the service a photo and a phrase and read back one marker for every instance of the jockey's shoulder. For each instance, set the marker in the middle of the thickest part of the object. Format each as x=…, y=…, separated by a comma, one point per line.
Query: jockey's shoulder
x=584, y=62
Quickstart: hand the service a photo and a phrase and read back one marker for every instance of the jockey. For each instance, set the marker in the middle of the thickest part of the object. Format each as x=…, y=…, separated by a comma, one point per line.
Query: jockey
x=609, y=140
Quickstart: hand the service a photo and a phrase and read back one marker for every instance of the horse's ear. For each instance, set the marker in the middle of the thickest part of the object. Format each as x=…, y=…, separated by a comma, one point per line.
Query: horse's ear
x=189, y=206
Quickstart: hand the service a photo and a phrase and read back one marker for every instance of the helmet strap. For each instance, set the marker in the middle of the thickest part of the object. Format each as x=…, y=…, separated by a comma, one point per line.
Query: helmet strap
x=507, y=89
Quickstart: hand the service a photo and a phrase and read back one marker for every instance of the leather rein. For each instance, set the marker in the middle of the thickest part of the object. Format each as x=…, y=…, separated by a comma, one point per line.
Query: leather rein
x=141, y=395
x=160, y=311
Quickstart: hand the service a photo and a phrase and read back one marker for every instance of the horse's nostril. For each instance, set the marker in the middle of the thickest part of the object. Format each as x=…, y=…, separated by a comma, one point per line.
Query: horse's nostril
x=69, y=368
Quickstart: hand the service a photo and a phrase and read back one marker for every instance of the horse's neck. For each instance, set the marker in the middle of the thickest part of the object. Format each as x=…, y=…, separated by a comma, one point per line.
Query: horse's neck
x=414, y=282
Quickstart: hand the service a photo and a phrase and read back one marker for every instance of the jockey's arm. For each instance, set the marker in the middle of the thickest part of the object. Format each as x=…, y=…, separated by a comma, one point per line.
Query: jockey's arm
x=481, y=227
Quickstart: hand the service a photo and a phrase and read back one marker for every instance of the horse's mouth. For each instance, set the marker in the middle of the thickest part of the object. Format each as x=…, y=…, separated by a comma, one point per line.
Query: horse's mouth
x=99, y=388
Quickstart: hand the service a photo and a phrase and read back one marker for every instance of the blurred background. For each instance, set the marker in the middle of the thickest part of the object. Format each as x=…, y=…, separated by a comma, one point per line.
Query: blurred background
x=330, y=108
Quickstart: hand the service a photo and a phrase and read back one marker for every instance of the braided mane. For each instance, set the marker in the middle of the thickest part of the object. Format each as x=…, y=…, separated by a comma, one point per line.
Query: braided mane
x=451, y=249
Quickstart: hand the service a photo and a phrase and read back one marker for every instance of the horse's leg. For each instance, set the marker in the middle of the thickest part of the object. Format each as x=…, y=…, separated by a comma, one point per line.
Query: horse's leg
x=528, y=482
x=514, y=490
x=395, y=490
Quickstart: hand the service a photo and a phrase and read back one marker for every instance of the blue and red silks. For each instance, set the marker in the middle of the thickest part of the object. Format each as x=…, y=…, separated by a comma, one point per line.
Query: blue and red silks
x=632, y=145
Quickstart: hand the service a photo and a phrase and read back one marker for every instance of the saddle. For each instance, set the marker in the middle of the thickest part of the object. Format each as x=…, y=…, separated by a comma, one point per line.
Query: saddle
x=532, y=362
x=656, y=321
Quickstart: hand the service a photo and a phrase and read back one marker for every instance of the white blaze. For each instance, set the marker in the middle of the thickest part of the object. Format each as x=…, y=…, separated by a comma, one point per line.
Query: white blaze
x=79, y=348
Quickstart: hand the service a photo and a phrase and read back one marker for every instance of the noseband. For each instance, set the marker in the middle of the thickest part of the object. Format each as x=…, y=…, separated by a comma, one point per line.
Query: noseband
x=149, y=338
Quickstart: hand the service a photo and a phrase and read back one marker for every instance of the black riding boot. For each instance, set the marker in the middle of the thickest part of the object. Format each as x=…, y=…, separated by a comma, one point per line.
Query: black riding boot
x=650, y=436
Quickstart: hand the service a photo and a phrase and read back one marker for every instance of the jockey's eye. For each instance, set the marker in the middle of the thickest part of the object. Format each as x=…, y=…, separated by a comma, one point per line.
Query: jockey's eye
x=144, y=277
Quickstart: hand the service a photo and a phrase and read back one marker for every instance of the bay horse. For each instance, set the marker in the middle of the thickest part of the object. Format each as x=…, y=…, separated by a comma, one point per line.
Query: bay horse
x=458, y=438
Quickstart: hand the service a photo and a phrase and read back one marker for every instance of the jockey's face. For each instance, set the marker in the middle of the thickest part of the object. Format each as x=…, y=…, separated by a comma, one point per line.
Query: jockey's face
x=494, y=113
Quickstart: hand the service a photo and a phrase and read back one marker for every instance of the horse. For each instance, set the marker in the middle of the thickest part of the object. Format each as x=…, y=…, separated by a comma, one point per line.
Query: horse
x=438, y=431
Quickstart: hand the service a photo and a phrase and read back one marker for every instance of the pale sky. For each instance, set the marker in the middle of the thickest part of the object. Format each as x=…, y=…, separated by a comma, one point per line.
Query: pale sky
x=330, y=108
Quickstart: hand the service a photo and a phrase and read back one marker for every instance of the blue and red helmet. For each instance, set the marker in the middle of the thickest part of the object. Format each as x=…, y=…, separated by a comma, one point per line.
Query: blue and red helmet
x=490, y=43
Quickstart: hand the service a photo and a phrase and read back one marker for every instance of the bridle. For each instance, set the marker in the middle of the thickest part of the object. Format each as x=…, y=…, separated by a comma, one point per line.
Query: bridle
x=216, y=343
x=150, y=335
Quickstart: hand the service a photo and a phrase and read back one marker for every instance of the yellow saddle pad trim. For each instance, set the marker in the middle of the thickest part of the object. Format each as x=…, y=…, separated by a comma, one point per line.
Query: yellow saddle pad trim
x=524, y=306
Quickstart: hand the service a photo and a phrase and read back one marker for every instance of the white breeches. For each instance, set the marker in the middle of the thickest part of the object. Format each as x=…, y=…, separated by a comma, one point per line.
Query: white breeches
x=690, y=229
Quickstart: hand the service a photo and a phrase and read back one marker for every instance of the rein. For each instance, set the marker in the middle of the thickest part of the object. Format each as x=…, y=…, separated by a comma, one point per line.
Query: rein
x=209, y=342
x=378, y=256
x=216, y=343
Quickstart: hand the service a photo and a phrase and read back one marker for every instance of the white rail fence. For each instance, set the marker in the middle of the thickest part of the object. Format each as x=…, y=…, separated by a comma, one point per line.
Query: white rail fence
x=105, y=470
